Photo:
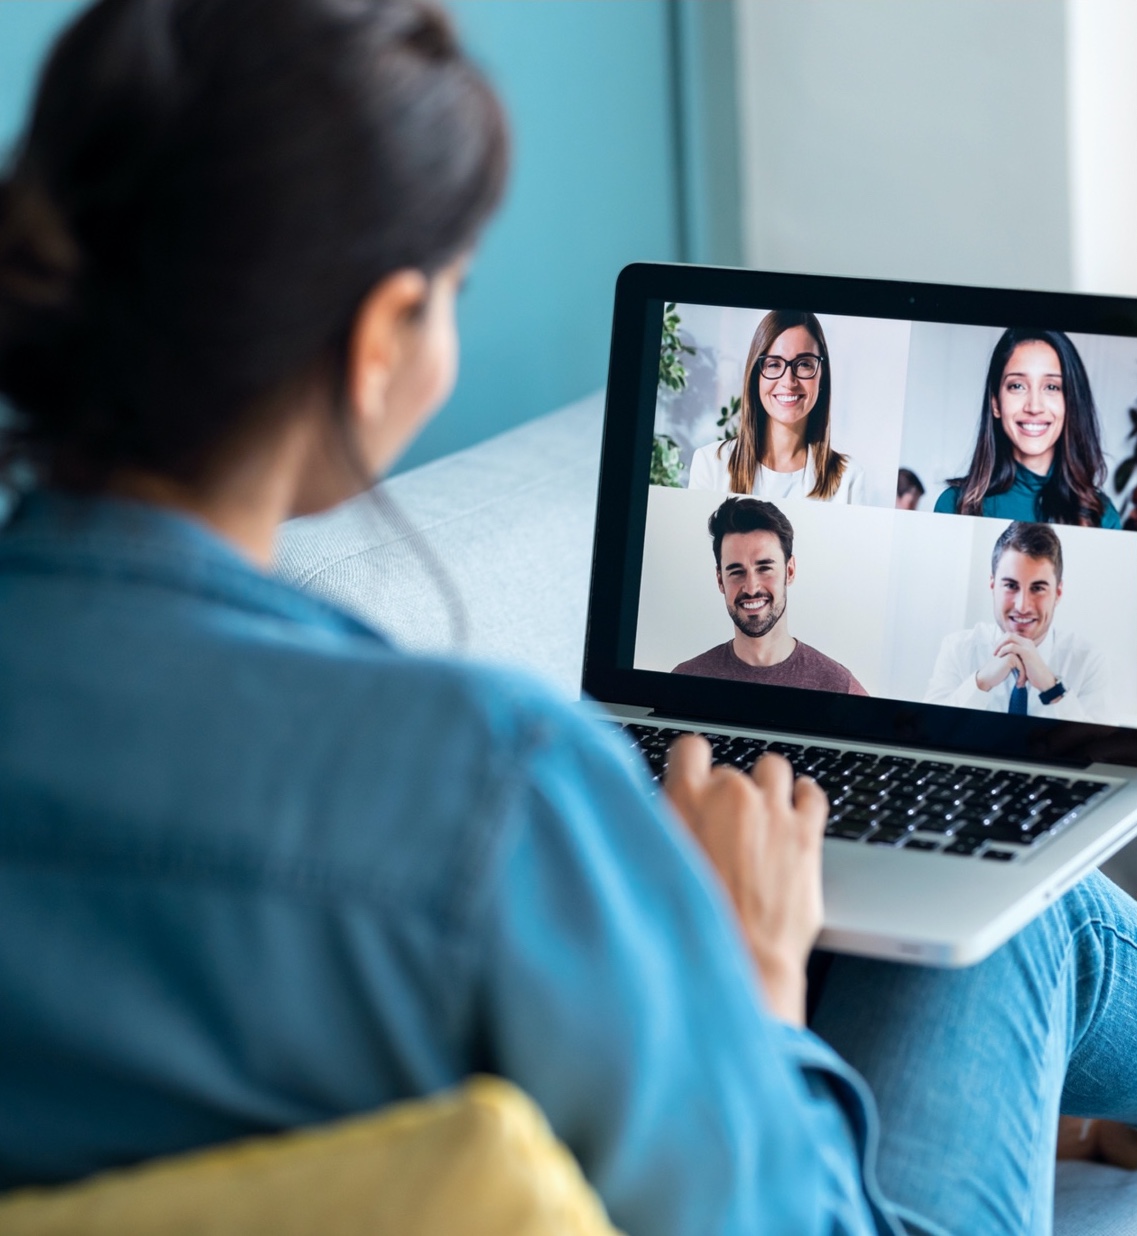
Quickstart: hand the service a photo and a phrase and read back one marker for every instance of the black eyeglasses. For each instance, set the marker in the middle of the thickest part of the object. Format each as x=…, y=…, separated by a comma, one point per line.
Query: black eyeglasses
x=807, y=365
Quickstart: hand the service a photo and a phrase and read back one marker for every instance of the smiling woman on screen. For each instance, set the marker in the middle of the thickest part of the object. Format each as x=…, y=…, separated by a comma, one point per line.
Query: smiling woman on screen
x=1038, y=454
x=782, y=449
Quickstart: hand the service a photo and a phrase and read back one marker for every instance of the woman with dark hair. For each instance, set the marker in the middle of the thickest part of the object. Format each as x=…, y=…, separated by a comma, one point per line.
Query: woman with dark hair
x=1038, y=455
x=258, y=868
x=782, y=449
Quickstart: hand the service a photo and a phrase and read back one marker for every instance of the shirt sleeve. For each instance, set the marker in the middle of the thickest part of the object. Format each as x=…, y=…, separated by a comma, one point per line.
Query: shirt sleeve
x=948, y=502
x=620, y=997
x=1110, y=518
x=953, y=678
x=856, y=495
x=707, y=469
x=1085, y=676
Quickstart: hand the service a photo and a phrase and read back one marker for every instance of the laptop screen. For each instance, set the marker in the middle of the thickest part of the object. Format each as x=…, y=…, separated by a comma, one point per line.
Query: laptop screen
x=885, y=510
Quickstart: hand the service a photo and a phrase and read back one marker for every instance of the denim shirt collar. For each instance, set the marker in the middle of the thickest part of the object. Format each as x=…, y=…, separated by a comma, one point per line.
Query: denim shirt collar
x=128, y=541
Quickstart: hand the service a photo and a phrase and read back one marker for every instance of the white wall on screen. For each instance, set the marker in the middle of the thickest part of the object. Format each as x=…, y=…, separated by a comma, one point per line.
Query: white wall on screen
x=947, y=372
x=928, y=594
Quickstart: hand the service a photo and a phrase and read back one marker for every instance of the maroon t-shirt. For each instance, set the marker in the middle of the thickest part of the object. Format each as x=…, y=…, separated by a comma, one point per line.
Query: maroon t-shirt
x=804, y=667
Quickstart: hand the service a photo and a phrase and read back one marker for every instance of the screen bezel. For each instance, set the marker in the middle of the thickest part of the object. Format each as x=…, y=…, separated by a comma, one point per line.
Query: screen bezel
x=642, y=290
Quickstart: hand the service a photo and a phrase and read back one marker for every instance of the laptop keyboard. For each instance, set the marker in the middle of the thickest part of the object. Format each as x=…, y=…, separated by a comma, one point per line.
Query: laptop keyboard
x=965, y=810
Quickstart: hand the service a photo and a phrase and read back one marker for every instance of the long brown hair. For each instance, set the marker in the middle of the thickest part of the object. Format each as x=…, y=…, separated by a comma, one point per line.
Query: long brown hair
x=750, y=445
x=1071, y=494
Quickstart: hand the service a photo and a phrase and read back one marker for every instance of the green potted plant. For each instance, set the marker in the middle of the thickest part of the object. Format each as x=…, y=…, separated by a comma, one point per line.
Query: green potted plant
x=667, y=467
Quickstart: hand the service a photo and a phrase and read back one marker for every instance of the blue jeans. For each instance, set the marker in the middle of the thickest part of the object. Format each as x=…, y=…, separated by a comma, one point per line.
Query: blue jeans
x=971, y=1068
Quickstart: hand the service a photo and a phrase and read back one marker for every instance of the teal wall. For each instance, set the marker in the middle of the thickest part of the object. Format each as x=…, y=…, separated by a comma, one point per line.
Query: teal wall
x=587, y=87
x=591, y=89
x=27, y=28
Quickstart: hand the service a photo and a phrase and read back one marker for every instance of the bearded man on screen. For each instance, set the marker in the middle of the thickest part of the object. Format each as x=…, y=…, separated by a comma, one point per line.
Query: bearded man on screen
x=753, y=545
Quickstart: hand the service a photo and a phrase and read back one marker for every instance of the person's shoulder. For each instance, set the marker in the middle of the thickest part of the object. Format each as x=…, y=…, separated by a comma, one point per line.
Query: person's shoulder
x=852, y=485
x=714, y=456
x=948, y=502
x=493, y=706
x=434, y=756
x=806, y=654
x=1072, y=643
x=1109, y=516
x=705, y=661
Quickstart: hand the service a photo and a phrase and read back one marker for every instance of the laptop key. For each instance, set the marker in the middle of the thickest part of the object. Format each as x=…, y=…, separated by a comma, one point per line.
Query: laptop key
x=888, y=798
x=887, y=836
x=861, y=798
x=786, y=748
x=963, y=846
x=848, y=832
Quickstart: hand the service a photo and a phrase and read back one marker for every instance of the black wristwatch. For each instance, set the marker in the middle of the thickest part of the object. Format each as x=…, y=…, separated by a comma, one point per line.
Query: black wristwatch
x=1056, y=692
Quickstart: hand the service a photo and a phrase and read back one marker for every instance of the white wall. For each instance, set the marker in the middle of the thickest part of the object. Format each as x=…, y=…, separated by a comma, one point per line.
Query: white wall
x=909, y=140
x=1101, y=40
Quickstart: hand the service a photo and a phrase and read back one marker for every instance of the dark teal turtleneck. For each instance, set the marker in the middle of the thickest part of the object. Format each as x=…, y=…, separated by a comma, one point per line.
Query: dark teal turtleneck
x=1021, y=501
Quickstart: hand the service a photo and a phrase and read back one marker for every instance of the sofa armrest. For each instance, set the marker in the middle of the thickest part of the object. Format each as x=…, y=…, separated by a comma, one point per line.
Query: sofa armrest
x=510, y=520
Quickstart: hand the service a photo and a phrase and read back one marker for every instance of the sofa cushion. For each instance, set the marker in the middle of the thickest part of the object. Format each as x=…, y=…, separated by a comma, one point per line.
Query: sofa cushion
x=508, y=521
x=479, y=1161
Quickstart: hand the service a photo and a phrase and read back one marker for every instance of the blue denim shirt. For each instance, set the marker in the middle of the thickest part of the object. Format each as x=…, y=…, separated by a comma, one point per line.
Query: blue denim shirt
x=258, y=869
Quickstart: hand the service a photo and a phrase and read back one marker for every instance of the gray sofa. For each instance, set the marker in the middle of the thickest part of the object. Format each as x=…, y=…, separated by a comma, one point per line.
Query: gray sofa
x=486, y=554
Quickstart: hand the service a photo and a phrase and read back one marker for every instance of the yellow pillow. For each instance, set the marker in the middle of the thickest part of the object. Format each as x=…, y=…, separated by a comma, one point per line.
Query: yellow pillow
x=477, y=1161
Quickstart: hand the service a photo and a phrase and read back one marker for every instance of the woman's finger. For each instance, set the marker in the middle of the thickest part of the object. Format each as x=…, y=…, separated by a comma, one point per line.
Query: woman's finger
x=811, y=803
x=775, y=775
x=688, y=761
x=686, y=775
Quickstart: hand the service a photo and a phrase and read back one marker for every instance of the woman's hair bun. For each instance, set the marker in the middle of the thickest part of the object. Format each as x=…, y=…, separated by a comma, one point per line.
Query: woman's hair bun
x=204, y=195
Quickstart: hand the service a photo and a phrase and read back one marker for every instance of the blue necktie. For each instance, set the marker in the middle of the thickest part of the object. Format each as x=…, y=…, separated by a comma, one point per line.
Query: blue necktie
x=1018, y=699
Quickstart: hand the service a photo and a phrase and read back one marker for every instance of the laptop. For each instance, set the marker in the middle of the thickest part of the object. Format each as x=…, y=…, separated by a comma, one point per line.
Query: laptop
x=960, y=675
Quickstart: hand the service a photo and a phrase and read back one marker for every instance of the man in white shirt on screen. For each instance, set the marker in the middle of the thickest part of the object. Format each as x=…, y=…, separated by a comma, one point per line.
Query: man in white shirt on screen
x=1021, y=664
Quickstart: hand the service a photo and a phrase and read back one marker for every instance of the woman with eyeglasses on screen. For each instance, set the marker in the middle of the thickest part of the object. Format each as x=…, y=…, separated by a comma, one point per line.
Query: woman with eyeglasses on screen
x=782, y=449
x=1038, y=456
x=261, y=869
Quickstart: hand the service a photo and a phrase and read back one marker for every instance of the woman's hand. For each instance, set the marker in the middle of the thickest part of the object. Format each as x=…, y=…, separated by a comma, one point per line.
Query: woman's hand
x=1103, y=1141
x=763, y=835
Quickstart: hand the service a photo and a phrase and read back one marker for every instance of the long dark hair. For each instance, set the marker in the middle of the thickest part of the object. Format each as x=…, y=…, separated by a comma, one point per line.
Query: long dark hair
x=750, y=445
x=207, y=191
x=1071, y=494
